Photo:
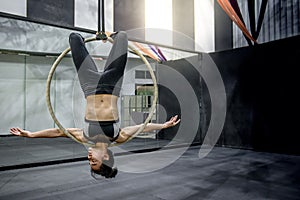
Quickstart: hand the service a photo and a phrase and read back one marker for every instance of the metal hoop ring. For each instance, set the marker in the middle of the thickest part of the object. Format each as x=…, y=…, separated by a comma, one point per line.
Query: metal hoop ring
x=48, y=88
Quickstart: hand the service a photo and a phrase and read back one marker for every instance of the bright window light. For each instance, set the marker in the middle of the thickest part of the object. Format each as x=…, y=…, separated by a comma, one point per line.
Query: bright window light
x=158, y=21
x=204, y=25
x=158, y=14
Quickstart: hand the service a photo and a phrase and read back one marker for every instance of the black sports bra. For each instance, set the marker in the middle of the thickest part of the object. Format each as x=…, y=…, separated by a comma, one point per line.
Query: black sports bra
x=98, y=131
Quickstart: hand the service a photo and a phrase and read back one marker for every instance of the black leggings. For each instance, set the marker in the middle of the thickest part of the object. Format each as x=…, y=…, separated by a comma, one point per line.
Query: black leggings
x=93, y=82
x=96, y=129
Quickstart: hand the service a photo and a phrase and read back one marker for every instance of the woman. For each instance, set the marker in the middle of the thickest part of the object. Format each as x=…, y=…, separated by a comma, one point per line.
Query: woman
x=100, y=157
x=101, y=91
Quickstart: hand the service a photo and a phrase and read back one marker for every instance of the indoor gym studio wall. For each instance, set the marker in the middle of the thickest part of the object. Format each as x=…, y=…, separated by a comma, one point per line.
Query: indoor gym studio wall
x=261, y=84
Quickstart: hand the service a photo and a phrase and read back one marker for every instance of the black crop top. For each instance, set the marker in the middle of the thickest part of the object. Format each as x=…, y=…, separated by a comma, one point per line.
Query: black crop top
x=98, y=131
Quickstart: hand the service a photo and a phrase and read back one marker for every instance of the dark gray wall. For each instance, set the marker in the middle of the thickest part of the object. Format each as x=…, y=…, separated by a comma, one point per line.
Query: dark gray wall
x=223, y=29
x=58, y=12
x=261, y=85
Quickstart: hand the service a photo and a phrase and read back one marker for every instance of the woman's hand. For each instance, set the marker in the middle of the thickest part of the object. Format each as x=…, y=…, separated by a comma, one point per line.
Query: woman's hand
x=19, y=132
x=172, y=122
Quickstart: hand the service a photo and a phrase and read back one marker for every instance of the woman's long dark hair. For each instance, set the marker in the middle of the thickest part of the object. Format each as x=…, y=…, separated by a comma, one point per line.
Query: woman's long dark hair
x=106, y=169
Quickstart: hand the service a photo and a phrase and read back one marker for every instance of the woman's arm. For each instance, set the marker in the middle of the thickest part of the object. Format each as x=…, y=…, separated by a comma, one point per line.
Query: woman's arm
x=48, y=133
x=127, y=132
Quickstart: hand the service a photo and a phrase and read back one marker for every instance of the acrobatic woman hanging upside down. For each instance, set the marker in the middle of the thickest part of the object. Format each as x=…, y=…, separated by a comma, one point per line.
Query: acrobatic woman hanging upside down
x=101, y=91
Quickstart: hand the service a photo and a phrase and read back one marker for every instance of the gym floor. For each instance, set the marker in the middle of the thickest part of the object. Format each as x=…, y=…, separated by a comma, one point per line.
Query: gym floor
x=225, y=173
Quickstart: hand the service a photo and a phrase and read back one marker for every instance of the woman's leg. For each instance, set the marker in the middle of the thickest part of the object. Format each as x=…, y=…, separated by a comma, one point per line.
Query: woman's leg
x=86, y=68
x=79, y=52
x=116, y=62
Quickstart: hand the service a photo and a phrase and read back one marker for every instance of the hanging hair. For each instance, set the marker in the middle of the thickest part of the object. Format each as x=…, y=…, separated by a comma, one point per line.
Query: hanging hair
x=106, y=168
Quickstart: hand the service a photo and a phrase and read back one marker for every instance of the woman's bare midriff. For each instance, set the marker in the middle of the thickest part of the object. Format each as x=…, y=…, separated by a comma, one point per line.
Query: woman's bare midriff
x=101, y=107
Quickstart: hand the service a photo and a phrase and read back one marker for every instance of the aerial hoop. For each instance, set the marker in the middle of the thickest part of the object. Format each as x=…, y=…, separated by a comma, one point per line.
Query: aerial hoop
x=48, y=88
